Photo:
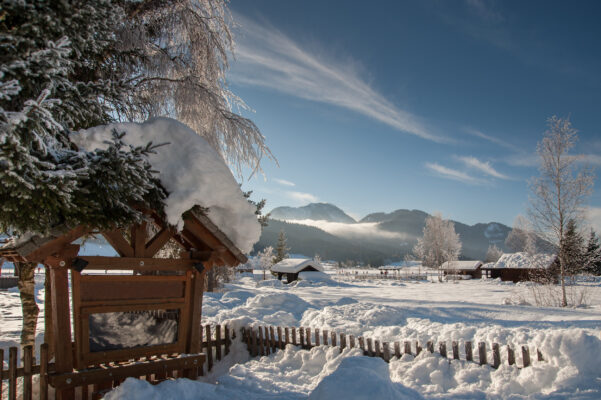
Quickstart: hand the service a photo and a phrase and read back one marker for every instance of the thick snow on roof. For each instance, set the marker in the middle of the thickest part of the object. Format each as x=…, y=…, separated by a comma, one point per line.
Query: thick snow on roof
x=470, y=265
x=524, y=261
x=191, y=171
x=294, y=265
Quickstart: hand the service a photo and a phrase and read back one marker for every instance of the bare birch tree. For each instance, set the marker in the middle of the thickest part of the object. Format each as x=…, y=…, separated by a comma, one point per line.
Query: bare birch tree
x=560, y=192
x=521, y=238
x=265, y=260
x=440, y=243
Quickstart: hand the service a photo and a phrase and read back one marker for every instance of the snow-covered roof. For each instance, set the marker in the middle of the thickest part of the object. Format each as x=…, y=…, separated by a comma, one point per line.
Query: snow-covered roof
x=191, y=171
x=295, y=265
x=524, y=261
x=470, y=265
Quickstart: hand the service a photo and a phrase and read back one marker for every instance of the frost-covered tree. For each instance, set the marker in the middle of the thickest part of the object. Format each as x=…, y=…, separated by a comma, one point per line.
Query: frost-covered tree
x=493, y=253
x=593, y=255
x=281, y=249
x=521, y=238
x=440, y=243
x=265, y=259
x=559, y=193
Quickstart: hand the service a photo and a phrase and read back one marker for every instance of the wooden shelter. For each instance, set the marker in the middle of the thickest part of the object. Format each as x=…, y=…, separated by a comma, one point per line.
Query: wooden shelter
x=166, y=292
x=291, y=267
x=516, y=267
x=471, y=269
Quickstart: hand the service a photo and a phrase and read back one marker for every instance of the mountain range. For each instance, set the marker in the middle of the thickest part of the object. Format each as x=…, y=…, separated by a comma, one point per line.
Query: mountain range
x=378, y=238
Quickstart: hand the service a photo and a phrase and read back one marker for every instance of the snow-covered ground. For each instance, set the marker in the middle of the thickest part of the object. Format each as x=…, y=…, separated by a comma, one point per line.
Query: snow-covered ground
x=476, y=310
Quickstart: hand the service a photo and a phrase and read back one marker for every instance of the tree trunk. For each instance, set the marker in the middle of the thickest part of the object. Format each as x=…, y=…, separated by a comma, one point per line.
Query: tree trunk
x=48, y=330
x=30, y=310
x=564, y=299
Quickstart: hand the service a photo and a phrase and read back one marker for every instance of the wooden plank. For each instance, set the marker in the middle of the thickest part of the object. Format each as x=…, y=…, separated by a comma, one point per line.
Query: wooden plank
x=325, y=337
x=430, y=346
x=294, y=336
x=158, y=241
x=118, y=242
x=218, y=342
x=510, y=356
x=301, y=332
x=208, y=238
x=362, y=344
x=287, y=336
x=194, y=336
x=377, y=348
x=418, y=348
x=539, y=355
x=333, y=338
x=228, y=340
x=370, y=348
x=2, y=370
x=267, y=341
x=496, y=355
x=469, y=354
x=442, y=347
x=138, y=238
x=342, y=341
x=27, y=366
x=455, y=347
x=351, y=341
x=209, y=347
x=386, y=353
x=261, y=348
x=12, y=373
x=99, y=375
x=525, y=356
x=308, y=333
x=43, y=371
x=99, y=289
x=255, y=351
x=138, y=263
x=482, y=353
x=397, y=349
x=317, y=337
x=280, y=342
x=55, y=246
x=407, y=349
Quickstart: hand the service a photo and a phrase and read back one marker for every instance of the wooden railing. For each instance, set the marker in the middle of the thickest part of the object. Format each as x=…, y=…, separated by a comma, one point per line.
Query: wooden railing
x=17, y=381
x=264, y=340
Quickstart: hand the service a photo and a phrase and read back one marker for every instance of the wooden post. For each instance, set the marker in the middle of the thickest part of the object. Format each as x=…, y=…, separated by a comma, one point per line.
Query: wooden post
x=455, y=347
x=209, y=347
x=482, y=353
x=218, y=342
x=228, y=341
x=43, y=371
x=266, y=342
x=272, y=334
x=253, y=334
x=194, y=334
x=469, y=354
x=442, y=347
x=301, y=332
x=48, y=334
x=61, y=326
x=377, y=348
x=430, y=346
x=308, y=338
x=407, y=349
x=397, y=349
x=294, y=336
x=370, y=348
x=510, y=355
x=325, y=337
x=362, y=344
x=526, y=356
x=261, y=351
x=496, y=355
x=386, y=351
x=12, y=373
x=351, y=339
x=317, y=337
x=342, y=341
x=287, y=335
x=1, y=366
x=280, y=342
x=27, y=370
x=539, y=355
x=333, y=338
x=418, y=348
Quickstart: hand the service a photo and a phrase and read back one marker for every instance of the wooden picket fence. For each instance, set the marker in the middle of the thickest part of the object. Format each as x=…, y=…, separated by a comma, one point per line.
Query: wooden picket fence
x=263, y=340
x=17, y=381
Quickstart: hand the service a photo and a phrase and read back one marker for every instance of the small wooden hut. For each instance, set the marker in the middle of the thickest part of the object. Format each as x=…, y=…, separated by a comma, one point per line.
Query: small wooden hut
x=291, y=267
x=165, y=292
x=471, y=269
x=516, y=267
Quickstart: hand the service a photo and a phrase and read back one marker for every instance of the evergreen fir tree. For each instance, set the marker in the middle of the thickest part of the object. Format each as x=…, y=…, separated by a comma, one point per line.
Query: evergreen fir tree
x=573, y=249
x=281, y=250
x=593, y=255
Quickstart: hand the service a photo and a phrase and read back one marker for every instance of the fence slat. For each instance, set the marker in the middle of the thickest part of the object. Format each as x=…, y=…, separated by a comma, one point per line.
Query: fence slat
x=261, y=343
x=342, y=341
x=294, y=336
x=526, y=356
x=455, y=347
x=301, y=332
x=510, y=355
x=469, y=354
x=351, y=339
x=325, y=337
x=287, y=336
x=539, y=355
x=430, y=346
x=228, y=340
x=218, y=342
x=266, y=345
x=482, y=353
x=397, y=349
x=12, y=373
x=370, y=348
x=280, y=342
x=272, y=334
x=254, y=334
x=496, y=355
x=317, y=337
x=308, y=332
x=377, y=348
x=333, y=337
x=442, y=347
x=386, y=348
x=27, y=367
x=209, y=347
x=418, y=348
x=1, y=369
x=362, y=344
x=407, y=349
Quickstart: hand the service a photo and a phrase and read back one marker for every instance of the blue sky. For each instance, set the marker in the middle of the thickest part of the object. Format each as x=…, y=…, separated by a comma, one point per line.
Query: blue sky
x=431, y=105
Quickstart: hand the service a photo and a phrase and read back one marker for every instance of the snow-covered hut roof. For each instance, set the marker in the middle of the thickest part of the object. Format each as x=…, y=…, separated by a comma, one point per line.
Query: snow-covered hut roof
x=523, y=260
x=470, y=265
x=295, y=265
x=192, y=173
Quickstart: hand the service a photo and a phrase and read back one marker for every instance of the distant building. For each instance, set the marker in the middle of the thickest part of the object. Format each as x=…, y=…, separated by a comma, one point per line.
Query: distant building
x=521, y=266
x=291, y=267
x=463, y=269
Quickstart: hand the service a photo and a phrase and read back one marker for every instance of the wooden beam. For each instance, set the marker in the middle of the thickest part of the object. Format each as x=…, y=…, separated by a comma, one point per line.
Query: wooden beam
x=138, y=263
x=194, y=334
x=55, y=246
x=158, y=241
x=138, y=238
x=118, y=242
x=201, y=232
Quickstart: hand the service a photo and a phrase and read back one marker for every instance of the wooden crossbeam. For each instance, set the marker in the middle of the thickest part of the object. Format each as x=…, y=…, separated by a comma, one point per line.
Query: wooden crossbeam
x=138, y=263
x=118, y=242
x=158, y=241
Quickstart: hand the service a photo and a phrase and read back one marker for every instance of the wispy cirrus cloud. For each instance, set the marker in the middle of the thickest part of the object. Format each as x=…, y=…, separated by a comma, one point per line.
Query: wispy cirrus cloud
x=453, y=174
x=302, y=197
x=492, y=139
x=482, y=166
x=266, y=57
x=284, y=182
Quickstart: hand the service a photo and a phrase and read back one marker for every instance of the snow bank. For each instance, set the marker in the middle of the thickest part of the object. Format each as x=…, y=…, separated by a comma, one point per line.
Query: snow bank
x=359, y=378
x=191, y=171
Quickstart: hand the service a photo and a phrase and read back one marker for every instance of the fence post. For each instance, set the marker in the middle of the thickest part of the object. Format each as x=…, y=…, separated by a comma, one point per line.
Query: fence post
x=1, y=369
x=496, y=355
x=27, y=369
x=209, y=347
x=301, y=332
x=407, y=349
x=266, y=344
x=218, y=342
x=510, y=355
x=539, y=355
x=325, y=337
x=294, y=336
x=280, y=337
x=442, y=347
x=526, y=356
x=370, y=348
x=254, y=334
x=418, y=348
x=317, y=337
x=308, y=332
x=287, y=335
x=228, y=340
x=469, y=355
x=482, y=353
x=386, y=351
x=333, y=337
x=272, y=334
x=342, y=341
x=12, y=373
x=362, y=344
x=430, y=346
x=397, y=349
x=351, y=339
